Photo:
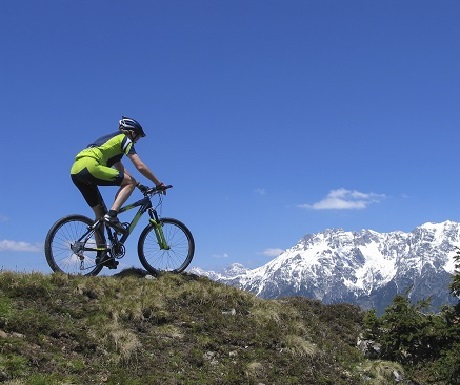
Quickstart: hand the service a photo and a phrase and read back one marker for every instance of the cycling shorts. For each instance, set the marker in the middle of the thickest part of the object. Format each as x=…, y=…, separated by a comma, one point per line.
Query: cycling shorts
x=87, y=174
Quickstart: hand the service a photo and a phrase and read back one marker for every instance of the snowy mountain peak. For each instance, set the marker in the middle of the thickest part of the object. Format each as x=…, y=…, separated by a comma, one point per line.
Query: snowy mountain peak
x=364, y=267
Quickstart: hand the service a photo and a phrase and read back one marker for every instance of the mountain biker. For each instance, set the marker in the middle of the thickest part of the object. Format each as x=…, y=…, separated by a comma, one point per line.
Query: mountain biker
x=99, y=164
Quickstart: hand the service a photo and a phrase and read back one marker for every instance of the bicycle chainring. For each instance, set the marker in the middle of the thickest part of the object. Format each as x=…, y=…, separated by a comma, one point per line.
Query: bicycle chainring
x=118, y=250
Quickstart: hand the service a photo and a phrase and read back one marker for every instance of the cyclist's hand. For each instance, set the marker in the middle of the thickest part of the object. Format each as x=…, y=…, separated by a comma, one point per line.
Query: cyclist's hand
x=161, y=188
x=142, y=187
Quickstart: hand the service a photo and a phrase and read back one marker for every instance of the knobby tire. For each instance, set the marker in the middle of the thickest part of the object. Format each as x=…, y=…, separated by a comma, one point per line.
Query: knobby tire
x=58, y=247
x=175, y=260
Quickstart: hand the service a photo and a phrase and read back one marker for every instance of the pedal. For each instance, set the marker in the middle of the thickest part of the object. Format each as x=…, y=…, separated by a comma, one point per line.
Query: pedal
x=110, y=263
x=123, y=230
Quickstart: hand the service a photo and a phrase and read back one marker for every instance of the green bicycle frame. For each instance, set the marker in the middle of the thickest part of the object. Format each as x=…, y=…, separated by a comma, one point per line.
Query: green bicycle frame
x=159, y=233
x=145, y=205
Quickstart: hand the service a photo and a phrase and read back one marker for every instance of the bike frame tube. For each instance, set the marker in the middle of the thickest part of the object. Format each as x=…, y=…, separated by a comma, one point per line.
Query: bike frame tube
x=144, y=203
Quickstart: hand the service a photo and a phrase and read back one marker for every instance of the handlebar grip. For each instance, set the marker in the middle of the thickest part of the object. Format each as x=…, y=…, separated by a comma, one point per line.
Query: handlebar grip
x=162, y=188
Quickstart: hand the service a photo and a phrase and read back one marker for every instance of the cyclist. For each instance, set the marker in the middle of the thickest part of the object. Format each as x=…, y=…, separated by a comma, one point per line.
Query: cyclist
x=99, y=164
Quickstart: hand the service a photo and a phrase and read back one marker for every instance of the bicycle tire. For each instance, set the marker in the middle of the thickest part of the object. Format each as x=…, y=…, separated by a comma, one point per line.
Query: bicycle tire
x=174, y=260
x=58, y=251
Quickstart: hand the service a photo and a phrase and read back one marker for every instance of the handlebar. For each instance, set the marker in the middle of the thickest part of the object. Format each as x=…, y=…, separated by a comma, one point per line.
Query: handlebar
x=153, y=190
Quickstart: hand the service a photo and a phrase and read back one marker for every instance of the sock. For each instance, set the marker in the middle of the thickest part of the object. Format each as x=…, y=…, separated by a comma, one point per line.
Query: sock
x=112, y=213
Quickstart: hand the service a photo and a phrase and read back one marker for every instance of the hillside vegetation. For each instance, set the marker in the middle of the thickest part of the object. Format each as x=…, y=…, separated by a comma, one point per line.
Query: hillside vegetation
x=175, y=329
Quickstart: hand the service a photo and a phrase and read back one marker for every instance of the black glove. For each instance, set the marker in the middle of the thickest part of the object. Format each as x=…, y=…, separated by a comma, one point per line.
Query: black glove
x=161, y=188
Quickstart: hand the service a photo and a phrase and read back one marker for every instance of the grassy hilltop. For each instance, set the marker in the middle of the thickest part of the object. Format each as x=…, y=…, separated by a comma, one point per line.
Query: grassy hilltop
x=176, y=329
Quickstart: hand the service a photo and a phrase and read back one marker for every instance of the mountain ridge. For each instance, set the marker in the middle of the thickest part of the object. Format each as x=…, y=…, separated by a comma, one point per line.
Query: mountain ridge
x=366, y=268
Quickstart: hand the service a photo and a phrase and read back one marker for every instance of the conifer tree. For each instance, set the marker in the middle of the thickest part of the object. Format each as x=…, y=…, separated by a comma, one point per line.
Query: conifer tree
x=404, y=327
x=455, y=284
x=448, y=366
x=372, y=326
x=411, y=337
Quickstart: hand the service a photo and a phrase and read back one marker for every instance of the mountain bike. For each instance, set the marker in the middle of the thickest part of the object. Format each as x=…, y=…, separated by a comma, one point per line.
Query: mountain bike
x=76, y=244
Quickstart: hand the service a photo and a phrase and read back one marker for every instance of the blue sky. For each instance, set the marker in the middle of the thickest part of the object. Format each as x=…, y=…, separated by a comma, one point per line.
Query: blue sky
x=271, y=118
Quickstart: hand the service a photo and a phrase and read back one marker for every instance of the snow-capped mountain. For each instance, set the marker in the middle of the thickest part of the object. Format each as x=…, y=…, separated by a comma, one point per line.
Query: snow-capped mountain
x=366, y=268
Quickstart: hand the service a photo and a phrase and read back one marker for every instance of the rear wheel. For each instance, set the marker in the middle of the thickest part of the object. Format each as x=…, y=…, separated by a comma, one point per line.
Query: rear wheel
x=70, y=246
x=175, y=257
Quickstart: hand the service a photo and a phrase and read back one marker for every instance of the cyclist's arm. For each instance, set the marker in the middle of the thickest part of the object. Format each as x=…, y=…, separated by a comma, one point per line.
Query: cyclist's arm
x=143, y=169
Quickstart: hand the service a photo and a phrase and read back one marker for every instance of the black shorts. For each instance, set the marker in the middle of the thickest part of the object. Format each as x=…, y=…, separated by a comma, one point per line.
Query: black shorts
x=87, y=174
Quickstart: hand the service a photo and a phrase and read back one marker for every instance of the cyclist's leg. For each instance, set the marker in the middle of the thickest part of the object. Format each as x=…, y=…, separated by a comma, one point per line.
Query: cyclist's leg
x=87, y=174
x=126, y=188
x=100, y=209
x=94, y=174
x=108, y=176
x=90, y=193
x=87, y=183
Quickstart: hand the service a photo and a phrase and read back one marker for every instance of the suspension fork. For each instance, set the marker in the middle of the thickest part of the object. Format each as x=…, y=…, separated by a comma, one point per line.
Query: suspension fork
x=157, y=225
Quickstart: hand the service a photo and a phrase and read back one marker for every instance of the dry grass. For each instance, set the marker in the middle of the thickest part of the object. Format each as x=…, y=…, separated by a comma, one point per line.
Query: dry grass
x=382, y=372
x=299, y=347
x=177, y=329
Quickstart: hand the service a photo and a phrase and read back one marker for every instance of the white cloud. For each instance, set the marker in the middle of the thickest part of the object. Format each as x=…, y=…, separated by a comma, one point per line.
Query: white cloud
x=260, y=191
x=343, y=199
x=272, y=252
x=6, y=245
x=3, y=218
x=224, y=255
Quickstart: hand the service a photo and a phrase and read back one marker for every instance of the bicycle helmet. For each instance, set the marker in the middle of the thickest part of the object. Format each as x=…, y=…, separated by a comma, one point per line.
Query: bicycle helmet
x=131, y=125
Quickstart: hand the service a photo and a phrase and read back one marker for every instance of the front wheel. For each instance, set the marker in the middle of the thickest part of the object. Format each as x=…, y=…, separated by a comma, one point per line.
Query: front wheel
x=71, y=246
x=173, y=257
